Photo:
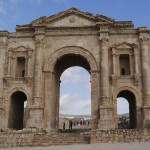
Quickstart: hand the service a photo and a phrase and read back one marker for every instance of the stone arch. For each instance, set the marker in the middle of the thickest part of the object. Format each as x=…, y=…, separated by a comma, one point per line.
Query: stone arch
x=131, y=89
x=52, y=60
x=132, y=96
x=17, y=109
x=53, y=71
x=15, y=90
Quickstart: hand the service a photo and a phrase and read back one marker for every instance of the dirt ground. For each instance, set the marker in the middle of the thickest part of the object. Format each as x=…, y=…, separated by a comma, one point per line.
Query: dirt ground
x=118, y=146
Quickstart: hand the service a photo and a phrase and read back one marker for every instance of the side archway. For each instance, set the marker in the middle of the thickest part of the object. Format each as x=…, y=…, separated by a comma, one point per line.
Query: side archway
x=132, y=97
x=16, y=110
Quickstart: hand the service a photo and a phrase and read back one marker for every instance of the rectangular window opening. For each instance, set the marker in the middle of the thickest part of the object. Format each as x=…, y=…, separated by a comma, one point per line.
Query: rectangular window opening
x=124, y=64
x=20, y=69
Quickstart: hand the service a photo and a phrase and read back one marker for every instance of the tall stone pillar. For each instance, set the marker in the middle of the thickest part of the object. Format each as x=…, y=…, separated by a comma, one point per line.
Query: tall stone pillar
x=137, y=75
x=3, y=46
x=28, y=74
x=145, y=74
x=38, y=72
x=36, y=112
x=131, y=64
x=106, y=120
x=95, y=89
x=50, y=107
x=9, y=63
x=136, y=62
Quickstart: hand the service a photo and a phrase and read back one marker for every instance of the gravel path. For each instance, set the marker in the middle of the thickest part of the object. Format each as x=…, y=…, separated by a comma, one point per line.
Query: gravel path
x=118, y=146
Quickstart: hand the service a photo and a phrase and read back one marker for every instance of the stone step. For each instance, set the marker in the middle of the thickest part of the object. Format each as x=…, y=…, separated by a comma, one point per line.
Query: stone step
x=60, y=139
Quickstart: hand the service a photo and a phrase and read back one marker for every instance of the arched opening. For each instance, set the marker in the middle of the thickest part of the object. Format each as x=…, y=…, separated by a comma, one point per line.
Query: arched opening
x=75, y=99
x=128, y=122
x=16, y=113
x=65, y=62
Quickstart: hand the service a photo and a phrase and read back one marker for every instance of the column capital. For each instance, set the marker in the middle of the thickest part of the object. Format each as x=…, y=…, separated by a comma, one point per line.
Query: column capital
x=29, y=54
x=144, y=37
x=104, y=39
x=3, y=44
x=104, y=33
x=39, y=42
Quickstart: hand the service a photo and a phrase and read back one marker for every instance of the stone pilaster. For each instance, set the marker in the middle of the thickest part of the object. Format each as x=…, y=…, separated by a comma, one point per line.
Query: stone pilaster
x=144, y=38
x=28, y=74
x=136, y=62
x=131, y=64
x=36, y=112
x=9, y=63
x=137, y=75
x=95, y=89
x=106, y=120
x=38, y=71
x=145, y=69
x=104, y=72
x=3, y=46
x=114, y=61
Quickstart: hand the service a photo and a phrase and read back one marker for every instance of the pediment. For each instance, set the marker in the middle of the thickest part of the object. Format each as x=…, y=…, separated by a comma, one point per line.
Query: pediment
x=20, y=49
x=71, y=18
x=124, y=45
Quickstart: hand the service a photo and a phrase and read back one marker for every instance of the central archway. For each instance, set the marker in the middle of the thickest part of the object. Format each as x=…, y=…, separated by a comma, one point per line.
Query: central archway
x=61, y=60
x=75, y=99
x=62, y=64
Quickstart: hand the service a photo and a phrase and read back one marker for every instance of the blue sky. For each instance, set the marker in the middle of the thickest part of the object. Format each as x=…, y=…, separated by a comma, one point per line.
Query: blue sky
x=19, y=12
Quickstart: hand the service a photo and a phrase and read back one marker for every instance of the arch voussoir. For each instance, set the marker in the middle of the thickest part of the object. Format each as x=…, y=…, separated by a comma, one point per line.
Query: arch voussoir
x=51, y=61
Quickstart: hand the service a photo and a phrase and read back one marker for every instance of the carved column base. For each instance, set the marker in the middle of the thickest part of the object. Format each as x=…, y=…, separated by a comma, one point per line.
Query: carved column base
x=35, y=118
x=106, y=120
x=146, y=114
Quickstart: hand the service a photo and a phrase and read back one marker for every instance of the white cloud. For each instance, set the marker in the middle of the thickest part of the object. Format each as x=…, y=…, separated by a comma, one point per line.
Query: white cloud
x=74, y=104
x=88, y=86
x=75, y=87
x=2, y=9
x=122, y=106
x=71, y=75
x=75, y=75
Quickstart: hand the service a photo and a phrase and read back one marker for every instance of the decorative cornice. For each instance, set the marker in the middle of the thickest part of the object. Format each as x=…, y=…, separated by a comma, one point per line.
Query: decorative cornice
x=123, y=24
x=4, y=33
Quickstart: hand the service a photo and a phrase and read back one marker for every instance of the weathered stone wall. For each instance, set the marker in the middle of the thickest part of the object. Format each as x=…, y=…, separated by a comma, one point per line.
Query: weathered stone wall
x=39, y=137
x=17, y=138
x=120, y=136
